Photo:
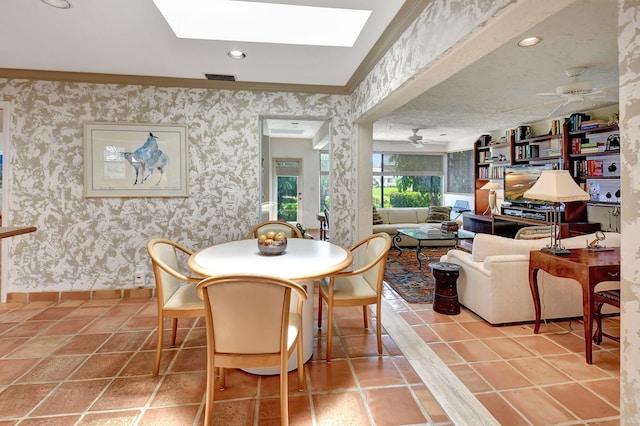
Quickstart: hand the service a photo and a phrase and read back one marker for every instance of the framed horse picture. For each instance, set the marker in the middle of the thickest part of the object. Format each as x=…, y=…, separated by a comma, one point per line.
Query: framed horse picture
x=135, y=160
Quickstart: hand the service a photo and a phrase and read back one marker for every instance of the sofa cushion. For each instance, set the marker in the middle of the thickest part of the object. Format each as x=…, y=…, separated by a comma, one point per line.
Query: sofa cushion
x=402, y=216
x=493, y=245
x=377, y=219
x=439, y=213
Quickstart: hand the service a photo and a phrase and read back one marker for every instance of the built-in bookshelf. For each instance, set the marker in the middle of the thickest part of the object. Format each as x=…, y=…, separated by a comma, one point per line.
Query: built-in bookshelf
x=594, y=159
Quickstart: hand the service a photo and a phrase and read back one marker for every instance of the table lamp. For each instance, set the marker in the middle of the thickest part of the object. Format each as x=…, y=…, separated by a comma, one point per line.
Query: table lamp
x=491, y=186
x=556, y=186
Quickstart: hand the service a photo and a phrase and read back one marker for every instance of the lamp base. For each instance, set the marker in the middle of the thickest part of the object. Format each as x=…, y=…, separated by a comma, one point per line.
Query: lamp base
x=596, y=248
x=556, y=251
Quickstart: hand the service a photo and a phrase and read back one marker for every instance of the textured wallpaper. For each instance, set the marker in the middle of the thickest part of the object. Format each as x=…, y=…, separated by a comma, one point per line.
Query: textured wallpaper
x=440, y=26
x=94, y=243
x=629, y=63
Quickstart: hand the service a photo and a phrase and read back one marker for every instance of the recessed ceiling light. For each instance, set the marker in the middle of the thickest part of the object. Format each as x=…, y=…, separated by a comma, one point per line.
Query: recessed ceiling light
x=60, y=4
x=254, y=21
x=236, y=54
x=529, y=41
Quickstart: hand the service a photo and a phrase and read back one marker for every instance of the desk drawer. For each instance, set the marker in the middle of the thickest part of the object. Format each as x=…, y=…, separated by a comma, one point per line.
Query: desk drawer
x=606, y=273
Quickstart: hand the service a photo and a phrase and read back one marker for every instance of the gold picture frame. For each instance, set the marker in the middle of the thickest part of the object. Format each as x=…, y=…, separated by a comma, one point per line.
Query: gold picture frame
x=135, y=160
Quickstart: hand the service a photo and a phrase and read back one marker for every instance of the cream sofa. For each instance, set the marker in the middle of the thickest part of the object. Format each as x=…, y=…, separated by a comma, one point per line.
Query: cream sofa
x=494, y=279
x=394, y=218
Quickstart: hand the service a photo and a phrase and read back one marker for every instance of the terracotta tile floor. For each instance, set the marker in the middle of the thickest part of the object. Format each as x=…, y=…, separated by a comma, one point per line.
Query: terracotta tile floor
x=520, y=377
x=90, y=362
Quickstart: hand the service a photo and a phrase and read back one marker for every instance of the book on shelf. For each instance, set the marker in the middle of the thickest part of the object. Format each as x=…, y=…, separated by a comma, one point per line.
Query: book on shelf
x=592, y=124
x=575, y=121
x=576, y=143
x=589, y=150
x=588, y=147
x=594, y=168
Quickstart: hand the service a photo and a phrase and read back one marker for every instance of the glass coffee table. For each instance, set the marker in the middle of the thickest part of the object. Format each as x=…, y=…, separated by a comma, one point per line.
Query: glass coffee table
x=423, y=237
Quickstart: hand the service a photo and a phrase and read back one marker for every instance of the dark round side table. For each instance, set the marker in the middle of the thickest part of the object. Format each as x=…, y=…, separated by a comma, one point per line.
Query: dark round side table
x=445, y=300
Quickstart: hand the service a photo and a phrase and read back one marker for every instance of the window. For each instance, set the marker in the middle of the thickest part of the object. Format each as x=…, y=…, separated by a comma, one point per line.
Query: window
x=402, y=180
x=460, y=172
x=324, y=180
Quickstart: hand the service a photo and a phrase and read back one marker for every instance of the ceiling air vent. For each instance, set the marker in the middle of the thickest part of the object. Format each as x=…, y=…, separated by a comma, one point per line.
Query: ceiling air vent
x=220, y=77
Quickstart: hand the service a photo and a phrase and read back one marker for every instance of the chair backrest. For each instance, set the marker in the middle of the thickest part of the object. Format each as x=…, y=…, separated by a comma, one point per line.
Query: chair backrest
x=535, y=232
x=461, y=206
x=376, y=249
x=249, y=315
x=326, y=217
x=276, y=226
x=166, y=267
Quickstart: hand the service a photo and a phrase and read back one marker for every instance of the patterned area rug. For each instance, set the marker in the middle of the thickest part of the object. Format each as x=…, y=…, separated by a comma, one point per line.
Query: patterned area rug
x=415, y=285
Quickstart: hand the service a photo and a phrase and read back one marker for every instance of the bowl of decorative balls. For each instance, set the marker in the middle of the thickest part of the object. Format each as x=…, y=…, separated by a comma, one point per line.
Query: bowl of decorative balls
x=272, y=243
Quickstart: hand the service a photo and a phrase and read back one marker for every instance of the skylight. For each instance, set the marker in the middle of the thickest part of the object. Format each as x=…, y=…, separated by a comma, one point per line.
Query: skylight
x=251, y=21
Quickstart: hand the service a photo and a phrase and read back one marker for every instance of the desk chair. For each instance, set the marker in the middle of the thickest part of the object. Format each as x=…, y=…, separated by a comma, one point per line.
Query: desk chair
x=175, y=292
x=360, y=287
x=460, y=206
x=610, y=297
x=325, y=225
x=536, y=232
x=250, y=325
x=274, y=225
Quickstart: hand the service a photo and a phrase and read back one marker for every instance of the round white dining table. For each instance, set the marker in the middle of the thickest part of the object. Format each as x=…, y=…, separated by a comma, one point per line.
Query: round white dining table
x=303, y=261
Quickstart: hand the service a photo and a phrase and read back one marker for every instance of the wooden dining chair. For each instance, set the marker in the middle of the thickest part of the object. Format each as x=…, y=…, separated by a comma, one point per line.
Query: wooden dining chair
x=175, y=291
x=601, y=298
x=325, y=224
x=250, y=325
x=274, y=225
x=360, y=287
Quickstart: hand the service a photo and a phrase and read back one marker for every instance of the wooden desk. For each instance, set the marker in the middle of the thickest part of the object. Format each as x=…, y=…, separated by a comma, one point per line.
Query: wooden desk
x=7, y=232
x=12, y=231
x=588, y=268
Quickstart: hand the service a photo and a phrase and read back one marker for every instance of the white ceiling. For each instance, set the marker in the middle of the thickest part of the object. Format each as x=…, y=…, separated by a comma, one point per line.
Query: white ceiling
x=497, y=92
x=132, y=37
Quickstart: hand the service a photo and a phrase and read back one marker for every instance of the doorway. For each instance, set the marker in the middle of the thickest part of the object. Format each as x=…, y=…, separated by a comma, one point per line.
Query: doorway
x=288, y=185
x=294, y=168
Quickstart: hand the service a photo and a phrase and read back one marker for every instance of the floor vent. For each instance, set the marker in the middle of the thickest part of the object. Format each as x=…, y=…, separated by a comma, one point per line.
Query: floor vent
x=220, y=77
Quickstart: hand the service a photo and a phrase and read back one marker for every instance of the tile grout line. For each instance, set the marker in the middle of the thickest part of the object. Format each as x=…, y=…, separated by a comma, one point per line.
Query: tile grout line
x=459, y=404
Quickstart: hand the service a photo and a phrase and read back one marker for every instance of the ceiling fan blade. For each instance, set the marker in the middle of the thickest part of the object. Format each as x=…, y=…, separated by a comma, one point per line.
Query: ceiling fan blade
x=547, y=94
x=565, y=108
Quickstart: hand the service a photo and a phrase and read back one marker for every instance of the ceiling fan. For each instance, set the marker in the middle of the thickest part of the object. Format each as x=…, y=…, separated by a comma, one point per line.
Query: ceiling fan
x=574, y=92
x=416, y=140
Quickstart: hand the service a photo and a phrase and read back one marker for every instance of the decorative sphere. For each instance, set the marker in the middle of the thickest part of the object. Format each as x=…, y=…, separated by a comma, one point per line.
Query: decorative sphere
x=272, y=247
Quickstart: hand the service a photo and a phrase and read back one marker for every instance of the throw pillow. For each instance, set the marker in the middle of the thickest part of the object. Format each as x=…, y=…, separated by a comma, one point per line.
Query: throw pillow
x=377, y=219
x=439, y=213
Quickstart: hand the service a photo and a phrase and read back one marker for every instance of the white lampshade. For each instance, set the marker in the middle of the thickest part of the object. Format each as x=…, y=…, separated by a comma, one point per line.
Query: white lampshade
x=556, y=186
x=492, y=202
x=491, y=185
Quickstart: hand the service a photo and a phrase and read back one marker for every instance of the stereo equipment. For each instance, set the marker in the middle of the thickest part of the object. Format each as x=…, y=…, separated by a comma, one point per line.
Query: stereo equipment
x=536, y=216
x=512, y=212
